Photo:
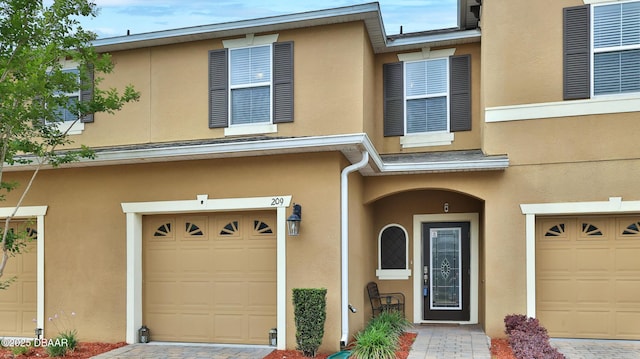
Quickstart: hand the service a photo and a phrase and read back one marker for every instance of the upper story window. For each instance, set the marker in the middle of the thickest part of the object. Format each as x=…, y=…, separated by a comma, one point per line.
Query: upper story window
x=427, y=99
x=616, y=48
x=601, y=49
x=426, y=94
x=63, y=113
x=251, y=85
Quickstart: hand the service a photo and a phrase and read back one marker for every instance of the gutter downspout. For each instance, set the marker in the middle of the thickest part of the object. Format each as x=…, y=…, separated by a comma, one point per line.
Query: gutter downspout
x=344, y=243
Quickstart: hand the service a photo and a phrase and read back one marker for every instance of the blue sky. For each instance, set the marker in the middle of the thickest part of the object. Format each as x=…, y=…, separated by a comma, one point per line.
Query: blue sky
x=139, y=16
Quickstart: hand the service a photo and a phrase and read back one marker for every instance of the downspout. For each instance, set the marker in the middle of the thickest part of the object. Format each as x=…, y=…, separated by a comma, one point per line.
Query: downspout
x=344, y=243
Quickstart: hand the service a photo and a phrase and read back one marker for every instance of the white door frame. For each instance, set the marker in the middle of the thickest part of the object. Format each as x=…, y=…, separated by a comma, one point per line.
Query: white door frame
x=30, y=212
x=615, y=205
x=418, y=220
x=134, y=213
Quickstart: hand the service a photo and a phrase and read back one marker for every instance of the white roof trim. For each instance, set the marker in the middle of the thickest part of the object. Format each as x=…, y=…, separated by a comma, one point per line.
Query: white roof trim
x=351, y=145
x=369, y=13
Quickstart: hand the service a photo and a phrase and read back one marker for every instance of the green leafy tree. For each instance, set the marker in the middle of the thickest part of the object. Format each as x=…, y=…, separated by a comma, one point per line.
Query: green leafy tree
x=36, y=39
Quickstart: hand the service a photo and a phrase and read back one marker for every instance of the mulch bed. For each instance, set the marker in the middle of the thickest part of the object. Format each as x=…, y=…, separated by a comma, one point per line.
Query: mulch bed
x=500, y=349
x=406, y=340
x=82, y=351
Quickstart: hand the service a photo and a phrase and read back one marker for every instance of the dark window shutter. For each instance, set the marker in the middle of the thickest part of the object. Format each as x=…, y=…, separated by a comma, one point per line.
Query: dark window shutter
x=283, y=82
x=393, y=83
x=86, y=94
x=218, y=88
x=577, y=52
x=460, y=93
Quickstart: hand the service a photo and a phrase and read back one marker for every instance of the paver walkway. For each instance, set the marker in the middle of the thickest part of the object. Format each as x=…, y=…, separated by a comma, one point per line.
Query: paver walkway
x=439, y=341
x=433, y=342
x=596, y=349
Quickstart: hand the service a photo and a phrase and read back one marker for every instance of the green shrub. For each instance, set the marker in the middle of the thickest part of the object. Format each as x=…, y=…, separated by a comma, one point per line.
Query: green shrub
x=19, y=350
x=376, y=342
x=71, y=337
x=379, y=340
x=310, y=312
x=58, y=348
x=396, y=321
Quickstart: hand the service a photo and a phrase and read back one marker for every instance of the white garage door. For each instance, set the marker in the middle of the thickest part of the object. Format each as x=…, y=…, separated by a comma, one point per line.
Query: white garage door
x=210, y=278
x=588, y=276
x=18, y=302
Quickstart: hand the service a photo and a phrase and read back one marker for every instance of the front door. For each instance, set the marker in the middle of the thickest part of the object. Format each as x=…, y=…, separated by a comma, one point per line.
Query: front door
x=446, y=271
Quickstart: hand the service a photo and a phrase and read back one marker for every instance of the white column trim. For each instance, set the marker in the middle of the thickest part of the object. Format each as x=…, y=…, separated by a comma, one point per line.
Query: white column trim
x=134, y=212
x=615, y=205
x=474, y=221
x=38, y=212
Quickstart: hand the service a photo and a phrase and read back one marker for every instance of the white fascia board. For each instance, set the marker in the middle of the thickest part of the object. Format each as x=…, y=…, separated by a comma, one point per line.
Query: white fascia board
x=273, y=23
x=613, y=205
x=24, y=211
x=435, y=38
x=493, y=164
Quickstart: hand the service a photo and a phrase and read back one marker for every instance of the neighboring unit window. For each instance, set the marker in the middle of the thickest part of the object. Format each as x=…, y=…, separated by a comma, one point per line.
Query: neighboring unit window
x=601, y=50
x=616, y=47
x=428, y=96
x=251, y=85
x=393, y=253
x=63, y=114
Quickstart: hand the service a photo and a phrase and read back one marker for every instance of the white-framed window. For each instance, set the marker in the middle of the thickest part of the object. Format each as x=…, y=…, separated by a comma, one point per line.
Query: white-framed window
x=393, y=253
x=427, y=96
x=63, y=114
x=250, y=85
x=615, y=48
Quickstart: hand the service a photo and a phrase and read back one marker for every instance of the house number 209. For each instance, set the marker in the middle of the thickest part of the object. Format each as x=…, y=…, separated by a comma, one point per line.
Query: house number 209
x=277, y=201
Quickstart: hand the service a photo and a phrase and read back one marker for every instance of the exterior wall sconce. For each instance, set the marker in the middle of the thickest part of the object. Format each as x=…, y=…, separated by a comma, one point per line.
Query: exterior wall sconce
x=38, y=332
x=293, y=222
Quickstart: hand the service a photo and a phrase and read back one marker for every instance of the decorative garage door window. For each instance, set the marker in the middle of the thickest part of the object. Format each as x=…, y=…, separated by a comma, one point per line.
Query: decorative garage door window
x=632, y=229
x=588, y=230
x=259, y=227
x=164, y=230
x=393, y=253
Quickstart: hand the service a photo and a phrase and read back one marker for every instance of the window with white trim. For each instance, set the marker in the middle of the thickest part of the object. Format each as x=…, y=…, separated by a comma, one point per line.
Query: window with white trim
x=250, y=85
x=63, y=113
x=616, y=48
x=601, y=45
x=393, y=253
x=427, y=96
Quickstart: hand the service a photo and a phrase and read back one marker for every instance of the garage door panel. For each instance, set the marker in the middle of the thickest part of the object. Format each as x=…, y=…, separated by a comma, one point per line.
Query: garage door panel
x=162, y=325
x=8, y=322
x=29, y=291
x=594, y=260
x=259, y=326
x=195, y=260
x=556, y=321
x=195, y=293
x=628, y=292
x=595, y=291
x=161, y=292
x=555, y=291
x=627, y=324
x=588, y=276
x=627, y=261
x=262, y=294
x=554, y=261
x=592, y=323
x=230, y=295
x=230, y=328
x=229, y=260
x=195, y=326
x=159, y=261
